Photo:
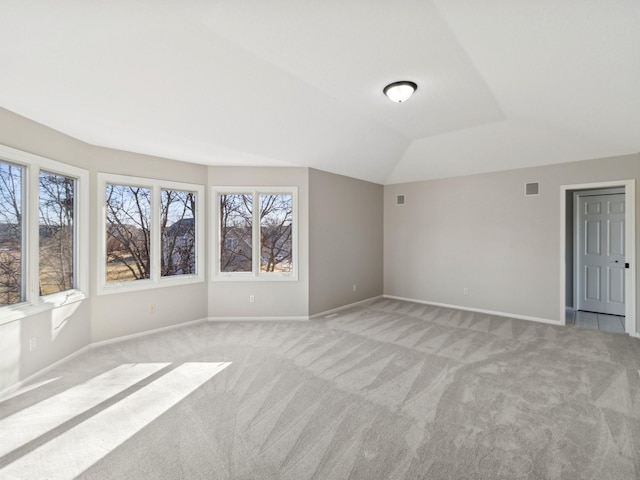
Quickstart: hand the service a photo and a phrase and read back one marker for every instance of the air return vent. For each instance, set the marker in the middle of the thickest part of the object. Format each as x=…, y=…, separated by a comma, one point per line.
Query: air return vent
x=531, y=188
x=400, y=200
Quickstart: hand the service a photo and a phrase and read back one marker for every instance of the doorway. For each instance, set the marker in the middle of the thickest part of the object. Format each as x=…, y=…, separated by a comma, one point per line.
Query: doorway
x=598, y=252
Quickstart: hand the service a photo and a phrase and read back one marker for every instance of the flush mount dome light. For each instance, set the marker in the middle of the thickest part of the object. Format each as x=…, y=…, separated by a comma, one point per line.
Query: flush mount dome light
x=400, y=91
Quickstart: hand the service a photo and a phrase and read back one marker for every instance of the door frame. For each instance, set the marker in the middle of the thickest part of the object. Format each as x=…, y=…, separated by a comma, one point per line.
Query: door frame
x=630, y=243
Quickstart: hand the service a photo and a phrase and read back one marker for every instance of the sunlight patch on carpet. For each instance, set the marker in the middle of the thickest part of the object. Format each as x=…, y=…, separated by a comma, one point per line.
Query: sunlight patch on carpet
x=32, y=422
x=69, y=454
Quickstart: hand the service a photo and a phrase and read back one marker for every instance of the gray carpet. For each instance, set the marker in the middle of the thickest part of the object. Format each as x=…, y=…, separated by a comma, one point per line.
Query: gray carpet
x=393, y=390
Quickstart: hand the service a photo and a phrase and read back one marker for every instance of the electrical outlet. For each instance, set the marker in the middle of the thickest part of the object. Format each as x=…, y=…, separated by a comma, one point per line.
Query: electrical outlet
x=465, y=291
x=33, y=344
x=252, y=298
x=152, y=308
x=355, y=287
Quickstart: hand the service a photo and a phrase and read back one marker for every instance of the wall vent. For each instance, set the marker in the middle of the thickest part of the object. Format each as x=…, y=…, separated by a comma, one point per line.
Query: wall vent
x=400, y=200
x=531, y=188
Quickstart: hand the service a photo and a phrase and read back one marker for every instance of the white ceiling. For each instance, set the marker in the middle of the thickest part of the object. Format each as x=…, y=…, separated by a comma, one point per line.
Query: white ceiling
x=501, y=83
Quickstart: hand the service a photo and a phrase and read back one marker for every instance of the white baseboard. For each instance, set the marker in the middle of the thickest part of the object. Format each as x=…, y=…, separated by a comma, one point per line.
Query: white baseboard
x=257, y=319
x=292, y=318
x=17, y=386
x=479, y=310
x=344, y=307
x=145, y=333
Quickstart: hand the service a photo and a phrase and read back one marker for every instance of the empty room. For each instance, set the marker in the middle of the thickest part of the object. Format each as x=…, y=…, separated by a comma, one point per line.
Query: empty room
x=319, y=240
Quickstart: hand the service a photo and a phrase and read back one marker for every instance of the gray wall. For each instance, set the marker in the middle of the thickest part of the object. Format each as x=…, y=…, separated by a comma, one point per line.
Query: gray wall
x=480, y=232
x=345, y=240
x=116, y=315
x=272, y=298
x=16, y=362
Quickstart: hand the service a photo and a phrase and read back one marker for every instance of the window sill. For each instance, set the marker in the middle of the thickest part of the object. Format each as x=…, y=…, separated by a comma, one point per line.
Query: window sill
x=141, y=285
x=12, y=313
x=250, y=277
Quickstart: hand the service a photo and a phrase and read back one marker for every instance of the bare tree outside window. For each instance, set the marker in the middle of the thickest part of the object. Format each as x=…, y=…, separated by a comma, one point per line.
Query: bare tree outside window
x=276, y=219
x=56, y=228
x=11, y=258
x=128, y=236
x=236, y=224
x=178, y=233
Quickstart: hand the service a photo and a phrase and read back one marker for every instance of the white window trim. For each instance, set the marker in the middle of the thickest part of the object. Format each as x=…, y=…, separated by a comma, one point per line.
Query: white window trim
x=34, y=303
x=156, y=281
x=255, y=274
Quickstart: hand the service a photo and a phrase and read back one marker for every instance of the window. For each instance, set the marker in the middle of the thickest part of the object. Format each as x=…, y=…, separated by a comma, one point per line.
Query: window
x=11, y=234
x=256, y=232
x=128, y=233
x=56, y=229
x=151, y=235
x=43, y=233
x=178, y=233
x=236, y=230
x=276, y=223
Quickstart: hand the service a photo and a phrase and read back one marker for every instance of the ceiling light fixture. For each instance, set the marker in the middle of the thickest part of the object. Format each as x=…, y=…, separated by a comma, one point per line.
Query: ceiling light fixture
x=400, y=91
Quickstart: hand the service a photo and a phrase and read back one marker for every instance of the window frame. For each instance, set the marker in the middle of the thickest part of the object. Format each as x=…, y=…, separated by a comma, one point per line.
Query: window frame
x=34, y=302
x=75, y=257
x=155, y=279
x=255, y=274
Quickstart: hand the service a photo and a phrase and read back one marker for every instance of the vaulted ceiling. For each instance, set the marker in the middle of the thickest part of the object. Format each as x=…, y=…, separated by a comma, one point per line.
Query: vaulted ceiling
x=501, y=83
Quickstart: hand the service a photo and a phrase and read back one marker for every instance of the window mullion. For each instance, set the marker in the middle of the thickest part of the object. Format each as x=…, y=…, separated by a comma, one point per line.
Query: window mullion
x=77, y=224
x=256, y=233
x=32, y=234
x=216, y=234
x=154, y=228
x=102, y=233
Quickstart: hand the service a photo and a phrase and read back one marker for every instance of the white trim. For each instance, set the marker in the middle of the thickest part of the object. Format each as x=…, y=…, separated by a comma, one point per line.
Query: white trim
x=599, y=191
x=255, y=275
x=630, y=240
x=17, y=386
x=344, y=307
x=149, y=284
x=478, y=310
x=258, y=319
x=133, y=336
x=156, y=280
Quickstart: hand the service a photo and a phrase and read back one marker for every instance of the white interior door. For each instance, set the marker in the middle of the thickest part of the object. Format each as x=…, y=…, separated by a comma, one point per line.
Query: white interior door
x=601, y=253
